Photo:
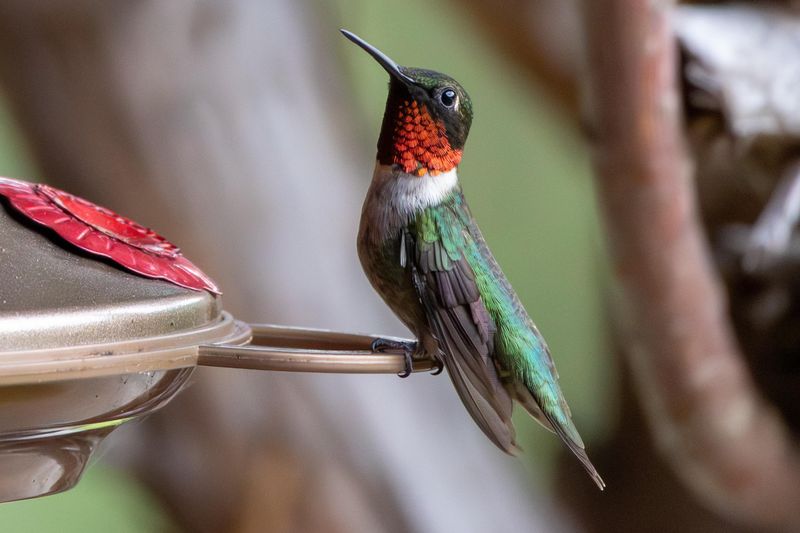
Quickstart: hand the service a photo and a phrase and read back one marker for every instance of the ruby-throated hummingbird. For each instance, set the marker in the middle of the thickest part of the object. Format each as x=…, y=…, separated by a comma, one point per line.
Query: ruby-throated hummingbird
x=424, y=254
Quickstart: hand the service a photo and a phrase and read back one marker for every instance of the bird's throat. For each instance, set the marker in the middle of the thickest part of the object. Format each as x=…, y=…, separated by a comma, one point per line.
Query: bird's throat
x=414, y=140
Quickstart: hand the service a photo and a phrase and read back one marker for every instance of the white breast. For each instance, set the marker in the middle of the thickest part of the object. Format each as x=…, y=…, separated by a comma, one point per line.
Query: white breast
x=408, y=194
x=395, y=197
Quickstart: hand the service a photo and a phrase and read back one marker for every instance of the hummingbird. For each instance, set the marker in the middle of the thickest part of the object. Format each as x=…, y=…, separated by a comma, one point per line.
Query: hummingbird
x=424, y=254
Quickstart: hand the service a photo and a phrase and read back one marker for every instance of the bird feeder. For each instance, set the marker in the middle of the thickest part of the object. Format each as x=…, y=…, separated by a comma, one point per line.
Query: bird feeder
x=87, y=344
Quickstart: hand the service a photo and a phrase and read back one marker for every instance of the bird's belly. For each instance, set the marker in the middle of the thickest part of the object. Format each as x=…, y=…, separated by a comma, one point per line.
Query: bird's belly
x=393, y=282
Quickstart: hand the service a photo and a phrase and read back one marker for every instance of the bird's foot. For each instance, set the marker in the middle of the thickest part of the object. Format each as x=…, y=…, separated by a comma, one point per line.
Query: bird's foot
x=407, y=348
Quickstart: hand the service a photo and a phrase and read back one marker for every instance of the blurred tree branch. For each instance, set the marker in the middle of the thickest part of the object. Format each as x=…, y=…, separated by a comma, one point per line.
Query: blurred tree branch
x=723, y=439
x=710, y=420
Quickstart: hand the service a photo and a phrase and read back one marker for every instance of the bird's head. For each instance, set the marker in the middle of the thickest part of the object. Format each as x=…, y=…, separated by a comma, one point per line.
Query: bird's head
x=427, y=118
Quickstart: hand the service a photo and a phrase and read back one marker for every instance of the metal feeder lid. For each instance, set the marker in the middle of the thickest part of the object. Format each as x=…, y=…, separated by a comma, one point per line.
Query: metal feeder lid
x=84, y=347
x=53, y=297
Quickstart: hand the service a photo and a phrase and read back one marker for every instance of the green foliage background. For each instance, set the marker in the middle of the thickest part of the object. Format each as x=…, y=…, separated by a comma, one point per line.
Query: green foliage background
x=105, y=500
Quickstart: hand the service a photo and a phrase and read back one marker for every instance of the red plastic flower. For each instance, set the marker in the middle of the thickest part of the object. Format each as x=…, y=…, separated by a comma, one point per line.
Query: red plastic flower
x=102, y=232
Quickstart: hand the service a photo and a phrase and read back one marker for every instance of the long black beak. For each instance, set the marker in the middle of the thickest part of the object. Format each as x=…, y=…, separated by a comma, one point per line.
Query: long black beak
x=385, y=61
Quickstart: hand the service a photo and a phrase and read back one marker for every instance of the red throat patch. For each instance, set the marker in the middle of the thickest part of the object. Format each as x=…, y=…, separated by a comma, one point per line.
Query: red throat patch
x=420, y=144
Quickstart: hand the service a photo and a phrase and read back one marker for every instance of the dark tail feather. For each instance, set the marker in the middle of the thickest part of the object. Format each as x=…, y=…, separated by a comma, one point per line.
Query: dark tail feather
x=576, y=447
x=493, y=415
x=526, y=400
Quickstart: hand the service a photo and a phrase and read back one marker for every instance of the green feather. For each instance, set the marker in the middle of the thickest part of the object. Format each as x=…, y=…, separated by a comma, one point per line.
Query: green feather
x=519, y=348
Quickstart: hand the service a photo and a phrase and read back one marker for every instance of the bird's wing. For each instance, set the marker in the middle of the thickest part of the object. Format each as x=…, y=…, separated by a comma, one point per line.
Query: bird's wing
x=536, y=379
x=448, y=290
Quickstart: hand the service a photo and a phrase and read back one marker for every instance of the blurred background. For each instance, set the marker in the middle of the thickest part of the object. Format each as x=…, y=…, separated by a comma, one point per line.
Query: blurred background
x=245, y=131
x=255, y=124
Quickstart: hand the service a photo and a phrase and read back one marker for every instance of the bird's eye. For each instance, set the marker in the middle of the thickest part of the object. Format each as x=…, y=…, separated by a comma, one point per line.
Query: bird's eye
x=448, y=97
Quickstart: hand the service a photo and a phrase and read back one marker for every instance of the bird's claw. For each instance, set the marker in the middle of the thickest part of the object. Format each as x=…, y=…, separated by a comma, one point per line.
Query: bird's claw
x=407, y=348
x=439, y=366
x=409, y=365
